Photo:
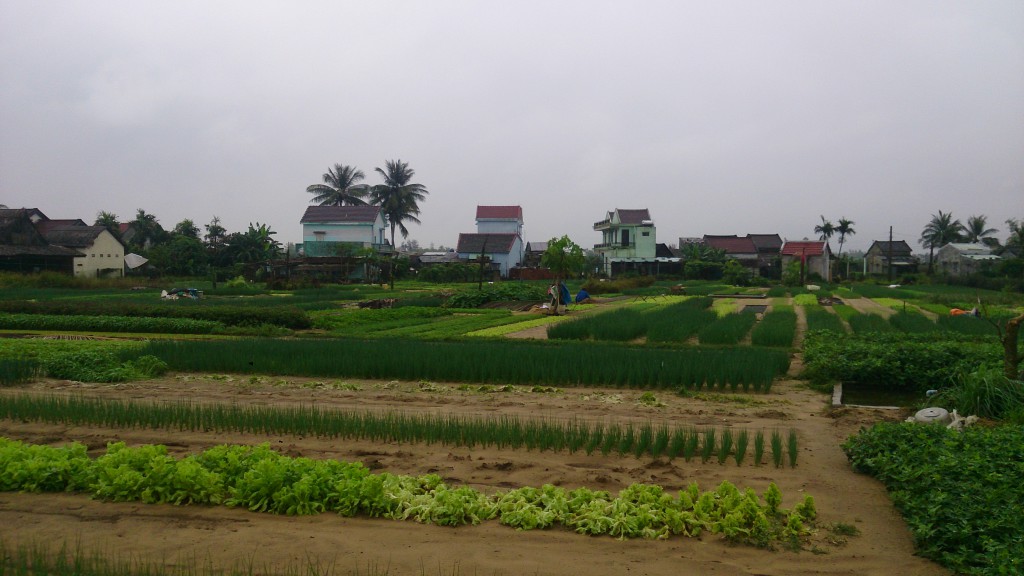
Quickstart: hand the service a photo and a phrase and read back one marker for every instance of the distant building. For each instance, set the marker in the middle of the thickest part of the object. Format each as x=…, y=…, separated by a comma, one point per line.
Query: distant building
x=498, y=237
x=328, y=229
x=102, y=255
x=876, y=259
x=23, y=248
x=815, y=257
x=629, y=243
x=960, y=259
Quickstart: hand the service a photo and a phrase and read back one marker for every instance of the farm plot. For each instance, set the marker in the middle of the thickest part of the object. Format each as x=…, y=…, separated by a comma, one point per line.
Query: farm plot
x=224, y=537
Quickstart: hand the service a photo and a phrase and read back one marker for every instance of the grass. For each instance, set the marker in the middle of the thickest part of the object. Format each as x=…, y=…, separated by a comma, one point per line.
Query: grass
x=728, y=329
x=912, y=322
x=777, y=328
x=819, y=318
x=869, y=323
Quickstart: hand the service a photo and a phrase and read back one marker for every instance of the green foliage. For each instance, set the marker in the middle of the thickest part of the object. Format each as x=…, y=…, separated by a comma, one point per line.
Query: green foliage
x=869, y=323
x=959, y=491
x=563, y=257
x=777, y=328
x=265, y=481
x=985, y=392
x=498, y=292
x=102, y=366
x=910, y=362
x=729, y=329
x=912, y=322
x=15, y=371
x=820, y=319
x=230, y=315
x=619, y=285
x=108, y=324
x=480, y=361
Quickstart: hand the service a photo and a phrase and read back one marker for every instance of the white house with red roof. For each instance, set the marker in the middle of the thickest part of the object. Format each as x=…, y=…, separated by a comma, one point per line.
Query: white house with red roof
x=498, y=237
x=814, y=256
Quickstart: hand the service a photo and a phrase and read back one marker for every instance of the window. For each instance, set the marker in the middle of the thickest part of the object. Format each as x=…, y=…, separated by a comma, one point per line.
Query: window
x=645, y=233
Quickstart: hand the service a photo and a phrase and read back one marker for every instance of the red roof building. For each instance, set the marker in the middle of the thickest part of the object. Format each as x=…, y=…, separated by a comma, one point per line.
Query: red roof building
x=814, y=256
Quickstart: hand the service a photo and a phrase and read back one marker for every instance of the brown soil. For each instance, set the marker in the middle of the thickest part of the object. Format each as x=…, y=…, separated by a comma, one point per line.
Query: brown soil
x=223, y=537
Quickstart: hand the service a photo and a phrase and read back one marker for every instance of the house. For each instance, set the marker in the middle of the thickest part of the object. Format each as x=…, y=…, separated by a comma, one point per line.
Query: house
x=331, y=230
x=741, y=249
x=498, y=237
x=502, y=250
x=814, y=257
x=23, y=248
x=768, y=248
x=628, y=242
x=102, y=255
x=499, y=220
x=960, y=259
x=534, y=252
x=877, y=258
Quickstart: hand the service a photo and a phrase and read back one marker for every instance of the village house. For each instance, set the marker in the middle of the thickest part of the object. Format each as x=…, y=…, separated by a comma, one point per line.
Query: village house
x=332, y=230
x=962, y=259
x=23, y=248
x=877, y=258
x=102, y=255
x=629, y=244
x=813, y=256
x=498, y=238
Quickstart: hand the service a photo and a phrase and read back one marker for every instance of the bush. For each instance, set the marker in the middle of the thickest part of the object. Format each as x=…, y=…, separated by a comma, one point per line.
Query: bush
x=620, y=285
x=102, y=366
x=505, y=291
x=908, y=362
x=960, y=492
x=985, y=392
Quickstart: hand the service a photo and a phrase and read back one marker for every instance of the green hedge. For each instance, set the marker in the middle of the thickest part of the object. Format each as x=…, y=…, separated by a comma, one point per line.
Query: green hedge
x=910, y=362
x=960, y=492
x=108, y=324
x=230, y=315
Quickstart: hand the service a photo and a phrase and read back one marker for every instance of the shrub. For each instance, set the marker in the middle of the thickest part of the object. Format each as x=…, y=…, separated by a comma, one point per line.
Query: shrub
x=985, y=392
x=504, y=291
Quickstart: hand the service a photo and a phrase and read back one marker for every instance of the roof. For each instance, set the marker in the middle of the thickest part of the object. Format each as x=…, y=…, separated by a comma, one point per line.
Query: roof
x=731, y=244
x=899, y=247
x=766, y=242
x=536, y=246
x=634, y=216
x=73, y=236
x=470, y=243
x=499, y=213
x=15, y=250
x=350, y=214
x=805, y=248
x=970, y=248
x=45, y=226
x=438, y=257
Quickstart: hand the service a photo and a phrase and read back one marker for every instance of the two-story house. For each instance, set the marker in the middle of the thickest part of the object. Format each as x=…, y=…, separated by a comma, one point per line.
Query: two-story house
x=498, y=238
x=332, y=230
x=628, y=241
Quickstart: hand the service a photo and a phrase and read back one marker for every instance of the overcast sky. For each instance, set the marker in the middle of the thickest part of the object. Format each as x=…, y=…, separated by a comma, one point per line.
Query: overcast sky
x=720, y=117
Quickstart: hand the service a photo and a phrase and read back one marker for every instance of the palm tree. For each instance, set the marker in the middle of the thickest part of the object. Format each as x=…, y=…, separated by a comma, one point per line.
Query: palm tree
x=340, y=187
x=825, y=230
x=975, y=230
x=397, y=197
x=941, y=230
x=844, y=229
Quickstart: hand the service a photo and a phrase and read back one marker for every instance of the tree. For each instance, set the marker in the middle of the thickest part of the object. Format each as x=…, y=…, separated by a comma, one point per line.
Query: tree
x=398, y=197
x=563, y=257
x=186, y=228
x=975, y=230
x=825, y=230
x=254, y=246
x=109, y=221
x=148, y=230
x=340, y=187
x=844, y=228
x=1016, y=239
x=941, y=230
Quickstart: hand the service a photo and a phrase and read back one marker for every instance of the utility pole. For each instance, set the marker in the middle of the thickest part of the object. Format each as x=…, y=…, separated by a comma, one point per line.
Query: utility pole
x=890, y=254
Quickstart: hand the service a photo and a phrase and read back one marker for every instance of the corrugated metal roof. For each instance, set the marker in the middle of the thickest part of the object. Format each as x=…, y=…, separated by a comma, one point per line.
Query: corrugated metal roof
x=327, y=214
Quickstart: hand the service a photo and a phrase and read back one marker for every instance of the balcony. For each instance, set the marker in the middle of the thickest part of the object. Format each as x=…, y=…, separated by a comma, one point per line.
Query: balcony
x=614, y=246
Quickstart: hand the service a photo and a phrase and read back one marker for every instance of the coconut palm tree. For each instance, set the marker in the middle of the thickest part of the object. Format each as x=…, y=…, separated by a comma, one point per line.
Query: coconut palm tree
x=844, y=228
x=398, y=197
x=975, y=230
x=340, y=187
x=939, y=231
x=825, y=230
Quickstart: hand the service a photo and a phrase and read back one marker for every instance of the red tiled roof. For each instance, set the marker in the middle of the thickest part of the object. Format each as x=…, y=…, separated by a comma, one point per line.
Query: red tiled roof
x=471, y=243
x=731, y=244
x=804, y=248
x=499, y=212
x=326, y=214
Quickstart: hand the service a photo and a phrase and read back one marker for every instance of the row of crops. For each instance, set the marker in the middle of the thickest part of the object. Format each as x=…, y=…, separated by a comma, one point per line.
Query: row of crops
x=681, y=322
x=503, y=432
x=262, y=480
x=906, y=322
x=484, y=361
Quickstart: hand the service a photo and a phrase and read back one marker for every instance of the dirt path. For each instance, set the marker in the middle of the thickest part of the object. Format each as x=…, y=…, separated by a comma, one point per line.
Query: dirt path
x=225, y=537
x=869, y=306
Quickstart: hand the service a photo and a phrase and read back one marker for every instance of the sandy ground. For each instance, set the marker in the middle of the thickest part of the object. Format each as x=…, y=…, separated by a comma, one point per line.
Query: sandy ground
x=224, y=537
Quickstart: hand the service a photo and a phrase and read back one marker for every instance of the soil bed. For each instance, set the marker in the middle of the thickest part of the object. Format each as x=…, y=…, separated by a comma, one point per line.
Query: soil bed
x=226, y=538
